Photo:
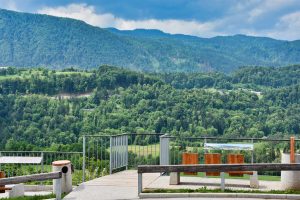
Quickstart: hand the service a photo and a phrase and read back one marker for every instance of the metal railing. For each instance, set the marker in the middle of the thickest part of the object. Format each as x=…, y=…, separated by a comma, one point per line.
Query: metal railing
x=105, y=154
x=266, y=150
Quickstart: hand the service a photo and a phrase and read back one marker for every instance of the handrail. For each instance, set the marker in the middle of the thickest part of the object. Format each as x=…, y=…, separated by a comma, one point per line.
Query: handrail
x=58, y=152
x=197, y=138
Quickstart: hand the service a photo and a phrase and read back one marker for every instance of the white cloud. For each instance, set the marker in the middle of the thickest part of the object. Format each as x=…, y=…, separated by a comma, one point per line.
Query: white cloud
x=286, y=28
x=9, y=5
x=88, y=14
x=267, y=6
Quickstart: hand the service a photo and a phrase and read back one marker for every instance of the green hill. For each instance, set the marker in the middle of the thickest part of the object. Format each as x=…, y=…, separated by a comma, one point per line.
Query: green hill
x=34, y=114
x=28, y=40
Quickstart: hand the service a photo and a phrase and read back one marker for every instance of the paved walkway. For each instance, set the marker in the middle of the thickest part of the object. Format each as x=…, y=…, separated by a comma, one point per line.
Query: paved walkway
x=123, y=185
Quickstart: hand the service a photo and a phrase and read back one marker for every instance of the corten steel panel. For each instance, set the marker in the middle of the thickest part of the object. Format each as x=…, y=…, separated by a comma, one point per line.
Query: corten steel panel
x=236, y=159
x=292, y=149
x=212, y=158
x=190, y=158
x=2, y=175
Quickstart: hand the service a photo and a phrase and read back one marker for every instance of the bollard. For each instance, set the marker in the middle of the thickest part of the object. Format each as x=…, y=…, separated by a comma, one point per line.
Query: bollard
x=66, y=181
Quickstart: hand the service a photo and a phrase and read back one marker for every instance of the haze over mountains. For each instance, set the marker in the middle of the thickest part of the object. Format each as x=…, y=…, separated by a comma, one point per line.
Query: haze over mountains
x=31, y=40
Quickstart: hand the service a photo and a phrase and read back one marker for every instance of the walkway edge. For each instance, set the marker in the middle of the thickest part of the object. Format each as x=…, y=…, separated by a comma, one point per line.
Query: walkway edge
x=219, y=195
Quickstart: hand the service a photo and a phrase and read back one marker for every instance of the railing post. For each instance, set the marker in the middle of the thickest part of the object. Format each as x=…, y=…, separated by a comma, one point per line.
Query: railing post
x=140, y=183
x=110, y=155
x=252, y=152
x=83, y=158
x=164, y=150
x=126, y=151
x=205, y=141
x=42, y=162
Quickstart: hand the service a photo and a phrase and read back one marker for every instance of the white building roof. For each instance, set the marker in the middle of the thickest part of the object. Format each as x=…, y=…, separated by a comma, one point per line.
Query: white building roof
x=219, y=146
x=20, y=160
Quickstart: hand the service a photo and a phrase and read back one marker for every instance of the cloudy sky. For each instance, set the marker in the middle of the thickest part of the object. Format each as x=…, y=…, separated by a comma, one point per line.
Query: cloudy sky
x=205, y=18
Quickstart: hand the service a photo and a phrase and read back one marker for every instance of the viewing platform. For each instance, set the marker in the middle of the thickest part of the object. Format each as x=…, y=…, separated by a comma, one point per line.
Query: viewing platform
x=121, y=185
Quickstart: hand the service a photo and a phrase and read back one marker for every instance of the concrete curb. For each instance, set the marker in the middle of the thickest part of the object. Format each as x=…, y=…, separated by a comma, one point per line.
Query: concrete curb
x=218, y=195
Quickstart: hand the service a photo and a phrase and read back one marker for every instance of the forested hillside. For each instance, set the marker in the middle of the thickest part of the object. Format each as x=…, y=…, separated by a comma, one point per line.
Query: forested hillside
x=30, y=40
x=33, y=115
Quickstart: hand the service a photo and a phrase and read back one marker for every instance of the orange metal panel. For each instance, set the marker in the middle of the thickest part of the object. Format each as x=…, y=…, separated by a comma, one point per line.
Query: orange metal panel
x=235, y=159
x=2, y=187
x=212, y=158
x=190, y=158
x=292, y=149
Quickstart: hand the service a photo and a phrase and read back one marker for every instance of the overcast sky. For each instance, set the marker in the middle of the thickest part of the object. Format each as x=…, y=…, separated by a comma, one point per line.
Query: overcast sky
x=278, y=19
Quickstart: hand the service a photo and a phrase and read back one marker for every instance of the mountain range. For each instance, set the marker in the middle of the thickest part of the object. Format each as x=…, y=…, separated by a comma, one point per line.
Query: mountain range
x=35, y=40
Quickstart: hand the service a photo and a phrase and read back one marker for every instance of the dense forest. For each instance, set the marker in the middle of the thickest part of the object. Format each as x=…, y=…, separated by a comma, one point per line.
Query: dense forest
x=49, y=109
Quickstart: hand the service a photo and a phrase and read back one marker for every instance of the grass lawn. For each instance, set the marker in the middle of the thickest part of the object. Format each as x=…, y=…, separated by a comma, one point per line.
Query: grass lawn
x=9, y=77
x=260, y=177
x=152, y=149
x=70, y=73
x=205, y=190
x=37, y=197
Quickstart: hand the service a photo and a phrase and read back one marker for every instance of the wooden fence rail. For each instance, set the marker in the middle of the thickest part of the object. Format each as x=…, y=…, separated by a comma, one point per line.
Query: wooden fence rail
x=36, y=177
x=29, y=178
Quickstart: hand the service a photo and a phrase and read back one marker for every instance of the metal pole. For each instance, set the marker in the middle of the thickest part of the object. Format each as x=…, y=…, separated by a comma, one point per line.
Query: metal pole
x=110, y=156
x=83, y=159
x=222, y=181
x=252, y=155
x=126, y=149
x=42, y=162
x=140, y=183
x=205, y=141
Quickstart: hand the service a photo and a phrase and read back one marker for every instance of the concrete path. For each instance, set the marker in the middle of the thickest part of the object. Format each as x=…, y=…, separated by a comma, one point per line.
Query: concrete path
x=121, y=185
